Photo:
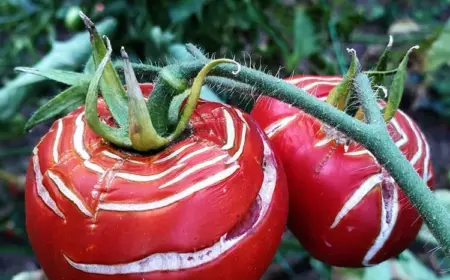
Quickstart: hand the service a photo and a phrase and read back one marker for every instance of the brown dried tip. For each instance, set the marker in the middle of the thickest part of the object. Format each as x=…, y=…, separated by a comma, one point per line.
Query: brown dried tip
x=87, y=21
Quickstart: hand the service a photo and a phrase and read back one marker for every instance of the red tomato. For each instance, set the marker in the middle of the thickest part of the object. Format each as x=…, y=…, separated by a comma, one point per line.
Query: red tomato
x=344, y=207
x=211, y=206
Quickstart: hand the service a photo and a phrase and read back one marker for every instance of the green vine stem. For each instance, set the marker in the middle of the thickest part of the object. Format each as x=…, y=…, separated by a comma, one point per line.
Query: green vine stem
x=194, y=95
x=372, y=135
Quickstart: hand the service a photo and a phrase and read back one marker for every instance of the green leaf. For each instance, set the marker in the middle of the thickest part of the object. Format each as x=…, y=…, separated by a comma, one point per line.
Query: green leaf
x=116, y=135
x=89, y=68
x=110, y=85
x=305, y=39
x=341, y=96
x=68, y=100
x=397, y=87
x=439, y=52
x=68, y=55
x=183, y=9
x=66, y=77
x=382, y=64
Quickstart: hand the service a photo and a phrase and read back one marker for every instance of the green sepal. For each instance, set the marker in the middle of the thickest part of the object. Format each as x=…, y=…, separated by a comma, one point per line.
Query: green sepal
x=89, y=68
x=397, y=87
x=175, y=105
x=66, y=77
x=170, y=83
x=68, y=100
x=141, y=131
x=112, y=90
x=118, y=136
x=382, y=64
x=339, y=96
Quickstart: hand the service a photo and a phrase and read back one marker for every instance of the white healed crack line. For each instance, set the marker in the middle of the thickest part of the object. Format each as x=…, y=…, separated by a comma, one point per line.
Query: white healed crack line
x=147, y=178
x=59, y=130
x=174, y=153
x=41, y=190
x=389, y=207
x=277, y=126
x=231, y=133
x=131, y=207
x=69, y=194
x=172, y=261
x=78, y=141
x=357, y=197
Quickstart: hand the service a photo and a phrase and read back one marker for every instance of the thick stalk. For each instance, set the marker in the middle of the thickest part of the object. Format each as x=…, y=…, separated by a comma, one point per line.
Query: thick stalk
x=373, y=136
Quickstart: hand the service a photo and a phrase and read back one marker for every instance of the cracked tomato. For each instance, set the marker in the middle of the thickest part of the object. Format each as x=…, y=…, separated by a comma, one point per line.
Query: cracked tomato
x=211, y=206
x=345, y=209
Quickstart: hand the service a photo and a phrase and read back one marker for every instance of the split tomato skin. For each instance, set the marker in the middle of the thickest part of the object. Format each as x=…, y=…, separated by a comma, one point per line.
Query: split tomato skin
x=345, y=209
x=211, y=206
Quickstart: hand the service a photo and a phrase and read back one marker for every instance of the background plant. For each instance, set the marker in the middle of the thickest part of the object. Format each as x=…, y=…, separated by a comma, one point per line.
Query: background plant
x=306, y=37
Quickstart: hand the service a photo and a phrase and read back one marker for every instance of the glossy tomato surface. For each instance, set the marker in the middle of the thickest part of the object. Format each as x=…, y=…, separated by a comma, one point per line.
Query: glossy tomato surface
x=344, y=207
x=211, y=206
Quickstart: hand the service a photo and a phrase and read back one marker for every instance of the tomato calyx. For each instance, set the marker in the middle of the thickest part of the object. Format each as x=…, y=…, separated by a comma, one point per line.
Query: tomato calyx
x=137, y=123
x=345, y=96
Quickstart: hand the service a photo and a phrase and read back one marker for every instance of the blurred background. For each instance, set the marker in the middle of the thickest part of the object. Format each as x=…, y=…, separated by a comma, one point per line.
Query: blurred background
x=284, y=36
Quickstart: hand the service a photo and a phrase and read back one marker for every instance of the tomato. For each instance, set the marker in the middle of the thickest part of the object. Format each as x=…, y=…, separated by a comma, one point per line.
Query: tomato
x=345, y=209
x=211, y=206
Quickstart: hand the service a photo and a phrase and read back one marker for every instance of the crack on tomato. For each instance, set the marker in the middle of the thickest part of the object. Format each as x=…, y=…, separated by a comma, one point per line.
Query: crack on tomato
x=107, y=178
x=326, y=158
x=387, y=192
x=248, y=221
x=334, y=134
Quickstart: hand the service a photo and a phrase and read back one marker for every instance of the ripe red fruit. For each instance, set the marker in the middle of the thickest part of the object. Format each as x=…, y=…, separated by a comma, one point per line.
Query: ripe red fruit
x=211, y=206
x=344, y=207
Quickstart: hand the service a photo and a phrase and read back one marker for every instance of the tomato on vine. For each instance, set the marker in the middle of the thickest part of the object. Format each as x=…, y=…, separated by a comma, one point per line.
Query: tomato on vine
x=345, y=209
x=110, y=197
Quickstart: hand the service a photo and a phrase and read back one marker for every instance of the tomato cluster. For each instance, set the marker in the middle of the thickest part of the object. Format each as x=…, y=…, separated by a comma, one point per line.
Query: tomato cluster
x=214, y=204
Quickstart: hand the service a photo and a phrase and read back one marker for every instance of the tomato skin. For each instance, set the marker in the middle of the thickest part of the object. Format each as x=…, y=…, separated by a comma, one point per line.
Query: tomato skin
x=324, y=180
x=82, y=195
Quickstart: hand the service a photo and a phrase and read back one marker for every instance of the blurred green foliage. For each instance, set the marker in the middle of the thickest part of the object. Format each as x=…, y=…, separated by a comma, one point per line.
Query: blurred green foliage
x=282, y=37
